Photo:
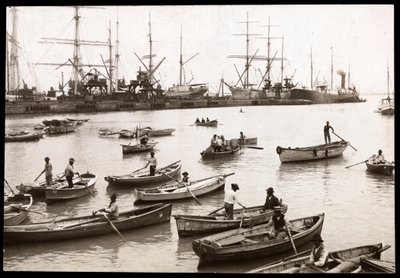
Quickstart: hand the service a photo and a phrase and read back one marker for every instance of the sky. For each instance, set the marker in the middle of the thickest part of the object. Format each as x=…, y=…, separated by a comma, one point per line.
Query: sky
x=361, y=38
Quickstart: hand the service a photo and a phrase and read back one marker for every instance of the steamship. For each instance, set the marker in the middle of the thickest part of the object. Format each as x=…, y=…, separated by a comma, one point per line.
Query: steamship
x=321, y=93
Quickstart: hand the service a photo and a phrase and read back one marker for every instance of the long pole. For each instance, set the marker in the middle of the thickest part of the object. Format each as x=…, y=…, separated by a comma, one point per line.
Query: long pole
x=282, y=62
x=180, y=60
x=114, y=228
x=331, y=68
x=388, y=78
x=110, y=54
x=76, y=50
x=247, y=52
x=311, y=70
x=117, y=55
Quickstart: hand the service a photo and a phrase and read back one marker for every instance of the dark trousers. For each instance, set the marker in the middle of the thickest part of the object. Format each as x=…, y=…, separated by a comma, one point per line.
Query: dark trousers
x=228, y=211
x=69, y=180
x=152, y=170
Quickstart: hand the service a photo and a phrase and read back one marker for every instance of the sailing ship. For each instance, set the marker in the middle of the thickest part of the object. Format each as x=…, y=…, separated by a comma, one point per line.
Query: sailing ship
x=386, y=106
x=17, y=89
x=187, y=90
x=319, y=93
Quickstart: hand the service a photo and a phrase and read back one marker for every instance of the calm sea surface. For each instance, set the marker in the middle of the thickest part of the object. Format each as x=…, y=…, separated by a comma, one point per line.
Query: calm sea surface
x=359, y=206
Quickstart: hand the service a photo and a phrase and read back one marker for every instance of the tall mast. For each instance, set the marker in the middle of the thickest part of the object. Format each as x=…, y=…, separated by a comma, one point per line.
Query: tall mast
x=14, y=65
x=77, y=51
x=282, y=62
x=180, y=61
x=151, y=52
x=331, y=68
x=311, y=70
x=348, y=82
x=117, y=56
x=246, y=84
x=109, y=89
x=388, y=77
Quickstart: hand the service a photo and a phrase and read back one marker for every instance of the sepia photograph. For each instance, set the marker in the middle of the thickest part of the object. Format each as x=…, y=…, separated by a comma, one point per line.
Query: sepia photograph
x=199, y=138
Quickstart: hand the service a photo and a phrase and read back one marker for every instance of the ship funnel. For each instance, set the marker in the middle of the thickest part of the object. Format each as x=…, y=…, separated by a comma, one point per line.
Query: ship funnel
x=343, y=81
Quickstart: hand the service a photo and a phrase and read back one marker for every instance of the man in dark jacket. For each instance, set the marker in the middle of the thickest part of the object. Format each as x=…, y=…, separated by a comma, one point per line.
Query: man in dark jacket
x=271, y=201
x=278, y=223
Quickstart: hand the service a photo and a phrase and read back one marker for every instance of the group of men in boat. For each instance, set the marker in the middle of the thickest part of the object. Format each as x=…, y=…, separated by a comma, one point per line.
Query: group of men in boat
x=218, y=143
x=68, y=173
x=202, y=120
x=319, y=253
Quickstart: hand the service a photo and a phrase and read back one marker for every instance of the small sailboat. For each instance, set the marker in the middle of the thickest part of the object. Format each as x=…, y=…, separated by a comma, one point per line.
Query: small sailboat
x=386, y=107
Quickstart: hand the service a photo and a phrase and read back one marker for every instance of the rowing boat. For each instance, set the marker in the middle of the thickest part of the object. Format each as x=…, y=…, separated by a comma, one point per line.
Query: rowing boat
x=88, y=225
x=335, y=259
x=126, y=149
x=36, y=189
x=142, y=177
x=323, y=151
x=16, y=208
x=377, y=265
x=176, y=191
x=209, y=153
x=245, y=244
x=209, y=123
x=124, y=133
x=155, y=132
x=192, y=225
x=23, y=136
x=385, y=168
x=61, y=191
x=247, y=141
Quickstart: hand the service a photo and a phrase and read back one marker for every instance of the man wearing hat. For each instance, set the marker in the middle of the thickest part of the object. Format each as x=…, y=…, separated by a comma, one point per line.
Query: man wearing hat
x=70, y=172
x=112, y=210
x=279, y=224
x=48, y=168
x=153, y=164
x=185, y=179
x=230, y=198
x=271, y=201
x=319, y=254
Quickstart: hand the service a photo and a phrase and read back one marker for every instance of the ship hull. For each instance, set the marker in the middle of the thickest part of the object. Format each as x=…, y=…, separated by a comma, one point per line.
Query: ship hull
x=322, y=97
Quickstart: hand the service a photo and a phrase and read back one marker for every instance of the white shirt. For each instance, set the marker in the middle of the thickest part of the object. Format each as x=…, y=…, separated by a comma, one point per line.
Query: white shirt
x=152, y=161
x=230, y=197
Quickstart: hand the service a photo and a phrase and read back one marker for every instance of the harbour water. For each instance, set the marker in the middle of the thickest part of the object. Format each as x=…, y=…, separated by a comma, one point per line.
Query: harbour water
x=359, y=206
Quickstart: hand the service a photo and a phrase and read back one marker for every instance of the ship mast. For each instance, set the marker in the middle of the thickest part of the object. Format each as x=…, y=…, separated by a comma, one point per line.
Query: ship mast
x=117, y=55
x=388, y=78
x=311, y=70
x=109, y=88
x=181, y=63
x=331, y=68
x=14, y=74
x=151, y=53
x=348, y=81
x=76, y=60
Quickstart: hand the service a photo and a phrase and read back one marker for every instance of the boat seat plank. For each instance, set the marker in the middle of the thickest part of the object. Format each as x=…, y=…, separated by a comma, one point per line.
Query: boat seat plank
x=232, y=240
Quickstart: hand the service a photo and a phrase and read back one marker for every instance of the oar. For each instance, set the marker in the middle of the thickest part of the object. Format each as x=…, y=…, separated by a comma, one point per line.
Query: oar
x=115, y=228
x=253, y=147
x=183, y=184
x=24, y=209
x=169, y=165
x=38, y=176
x=241, y=220
x=12, y=191
x=225, y=175
x=82, y=223
x=137, y=170
x=60, y=177
x=85, y=183
x=344, y=140
x=290, y=237
x=357, y=163
x=215, y=211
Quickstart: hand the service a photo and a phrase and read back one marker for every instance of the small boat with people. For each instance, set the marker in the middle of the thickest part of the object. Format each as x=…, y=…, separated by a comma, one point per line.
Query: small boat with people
x=317, y=152
x=176, y=190
x=87, y=225
x=127, y=149
x=207, y=123
x=142, y=177
x=23, y=136
x=346, y=261
x=82, y=187
x=255, y=242
x=228, y=148
x=36, y=188
x=194, y=225
x=59, y=126
x=16, y=208
x=381, y=167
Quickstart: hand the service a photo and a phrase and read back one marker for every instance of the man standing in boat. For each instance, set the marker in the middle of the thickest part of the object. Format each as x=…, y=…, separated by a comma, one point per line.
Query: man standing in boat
x=48, y=168
x=230, y=199
x=327, y=136
x=153, y=164
x=70, y=172
x=271, y=201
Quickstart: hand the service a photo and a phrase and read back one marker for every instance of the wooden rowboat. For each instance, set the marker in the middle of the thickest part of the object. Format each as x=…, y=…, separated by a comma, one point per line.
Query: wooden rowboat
x=127, y=133
x=36, y=189
x=22, y=137
x=77, y=120
x=16, y=208
x=191, y=225
x=247, y=141
x=142, y=177
x=245, y=244
x=126, y=149
x=155, y=132
x=210, y=123
x=89, y=225
x=312, y=153
x=174, y=191
x=60, y=190
x=335, y=260
x=385, y=168
x=209, y=153
x=377, y=265
x=107, y=131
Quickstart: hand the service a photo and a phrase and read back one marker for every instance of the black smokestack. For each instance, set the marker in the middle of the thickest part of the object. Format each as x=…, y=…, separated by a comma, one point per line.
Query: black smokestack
x=343, y=75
